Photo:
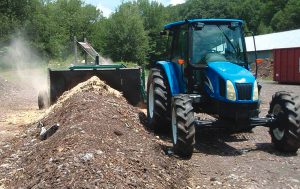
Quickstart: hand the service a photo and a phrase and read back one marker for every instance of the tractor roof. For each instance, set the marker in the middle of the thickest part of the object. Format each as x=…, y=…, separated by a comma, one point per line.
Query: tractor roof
x=171, y=25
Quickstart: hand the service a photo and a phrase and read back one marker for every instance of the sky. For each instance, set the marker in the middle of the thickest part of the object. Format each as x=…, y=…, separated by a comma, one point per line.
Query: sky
x=107, y=7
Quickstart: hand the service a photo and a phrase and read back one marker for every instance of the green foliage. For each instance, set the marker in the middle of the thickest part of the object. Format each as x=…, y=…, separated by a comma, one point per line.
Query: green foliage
x=126, y=39
x=155, y=17
x=58, y=63
x=56, y=23
x=207, y=9
x=250, y=11
x=12, y=14
x=98, y=34
x=131, y=34
x=287, y=18
x=128, y=64
x=263, y=29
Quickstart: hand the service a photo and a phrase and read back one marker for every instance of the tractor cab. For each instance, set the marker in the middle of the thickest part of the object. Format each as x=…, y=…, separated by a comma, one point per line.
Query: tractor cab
x=200, y=41
x=211, y=55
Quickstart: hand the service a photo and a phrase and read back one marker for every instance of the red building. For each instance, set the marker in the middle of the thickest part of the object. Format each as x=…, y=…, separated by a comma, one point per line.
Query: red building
x=287, y=65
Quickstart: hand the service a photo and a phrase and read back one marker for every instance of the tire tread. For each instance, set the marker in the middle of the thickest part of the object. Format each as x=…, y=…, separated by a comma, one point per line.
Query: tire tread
x=288, y=120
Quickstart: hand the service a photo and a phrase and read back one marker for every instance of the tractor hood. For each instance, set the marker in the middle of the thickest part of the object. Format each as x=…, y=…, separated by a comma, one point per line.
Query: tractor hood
x=232, y=72
x=217, y=75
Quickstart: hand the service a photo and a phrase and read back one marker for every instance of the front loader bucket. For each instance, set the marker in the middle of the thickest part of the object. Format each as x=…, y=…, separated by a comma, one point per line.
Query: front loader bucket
x=126, y=80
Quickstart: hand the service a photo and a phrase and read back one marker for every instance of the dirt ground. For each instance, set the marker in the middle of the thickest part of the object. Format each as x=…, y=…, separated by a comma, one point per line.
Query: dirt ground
x=18, y=107
x=246, y=160
x=102, y=142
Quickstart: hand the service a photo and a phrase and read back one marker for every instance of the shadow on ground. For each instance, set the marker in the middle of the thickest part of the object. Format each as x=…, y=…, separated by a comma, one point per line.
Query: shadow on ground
x=214, y=141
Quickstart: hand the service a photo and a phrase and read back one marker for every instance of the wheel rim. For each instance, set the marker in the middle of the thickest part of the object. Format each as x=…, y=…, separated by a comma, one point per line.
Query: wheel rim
x=151, y=101
x=174, y=126
x=278, y=134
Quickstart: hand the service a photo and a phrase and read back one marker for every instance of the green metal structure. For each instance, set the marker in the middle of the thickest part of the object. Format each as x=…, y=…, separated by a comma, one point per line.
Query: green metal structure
x=129, y=81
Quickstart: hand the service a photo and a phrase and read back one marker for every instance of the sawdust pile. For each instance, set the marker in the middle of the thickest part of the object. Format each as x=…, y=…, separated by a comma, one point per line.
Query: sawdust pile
x=94, y=85
x=101, y=143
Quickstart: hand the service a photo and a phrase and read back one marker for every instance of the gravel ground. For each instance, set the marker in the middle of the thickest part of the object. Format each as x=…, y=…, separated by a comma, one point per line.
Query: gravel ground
x=245, y=160
x=220, y=160
x=18, y=107
x=100, y=143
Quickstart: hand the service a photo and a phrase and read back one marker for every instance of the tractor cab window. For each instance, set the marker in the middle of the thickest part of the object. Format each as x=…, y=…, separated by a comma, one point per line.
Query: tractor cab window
x=217, y=43
x=180, y=44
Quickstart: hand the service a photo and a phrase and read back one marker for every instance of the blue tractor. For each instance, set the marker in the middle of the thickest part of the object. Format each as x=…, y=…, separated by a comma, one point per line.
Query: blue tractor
x=207, y=71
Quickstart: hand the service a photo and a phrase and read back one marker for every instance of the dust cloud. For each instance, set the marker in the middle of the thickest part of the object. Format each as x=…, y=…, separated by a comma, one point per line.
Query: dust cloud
x=91, y=61
x=25, y=66
x=104, y=60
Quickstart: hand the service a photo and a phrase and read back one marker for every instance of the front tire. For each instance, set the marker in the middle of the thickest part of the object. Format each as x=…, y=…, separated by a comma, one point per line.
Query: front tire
x=183, y=126
x=285, y=130
x=158, y=101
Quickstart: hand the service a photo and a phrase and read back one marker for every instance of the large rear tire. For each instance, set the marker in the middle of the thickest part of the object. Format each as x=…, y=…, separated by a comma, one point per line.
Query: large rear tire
x=183, y=126
x=285, y=130
x=158, y=101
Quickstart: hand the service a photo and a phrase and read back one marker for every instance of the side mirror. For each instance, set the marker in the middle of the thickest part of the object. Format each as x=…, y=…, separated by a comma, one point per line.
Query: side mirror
x=164, y=32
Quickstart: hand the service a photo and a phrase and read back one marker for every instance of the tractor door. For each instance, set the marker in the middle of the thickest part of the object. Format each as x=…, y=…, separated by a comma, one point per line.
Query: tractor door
x=179, y=53
x=180, y=44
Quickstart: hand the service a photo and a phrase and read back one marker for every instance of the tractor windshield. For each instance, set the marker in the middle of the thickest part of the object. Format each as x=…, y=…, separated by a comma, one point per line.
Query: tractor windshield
x=217, y=43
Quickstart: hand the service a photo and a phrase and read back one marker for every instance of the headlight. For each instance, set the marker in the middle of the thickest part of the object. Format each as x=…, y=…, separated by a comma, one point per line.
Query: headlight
x=231, y=95
x=255, y=92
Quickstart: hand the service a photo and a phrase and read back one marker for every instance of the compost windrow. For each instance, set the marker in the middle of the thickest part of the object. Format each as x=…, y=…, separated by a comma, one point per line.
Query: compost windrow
x=100, y=143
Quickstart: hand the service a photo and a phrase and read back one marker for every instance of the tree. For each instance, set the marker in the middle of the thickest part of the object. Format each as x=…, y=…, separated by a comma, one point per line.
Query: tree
x=250, y=12
x=54, y=24
x=207, y=9
x=155, y=17
x=126, y=39
x=13, y=14
x=132, y=33
x=287, y=18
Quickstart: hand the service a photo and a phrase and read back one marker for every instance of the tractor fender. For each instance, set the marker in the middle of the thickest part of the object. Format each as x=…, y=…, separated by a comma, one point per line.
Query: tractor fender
x=170, y=72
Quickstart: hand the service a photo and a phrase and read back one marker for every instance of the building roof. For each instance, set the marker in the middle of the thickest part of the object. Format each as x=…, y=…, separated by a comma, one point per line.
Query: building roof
x=169, y=26
x=280, y=40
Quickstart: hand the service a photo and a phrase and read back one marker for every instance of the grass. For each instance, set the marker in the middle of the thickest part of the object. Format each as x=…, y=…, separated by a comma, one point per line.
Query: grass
x=60, y=64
